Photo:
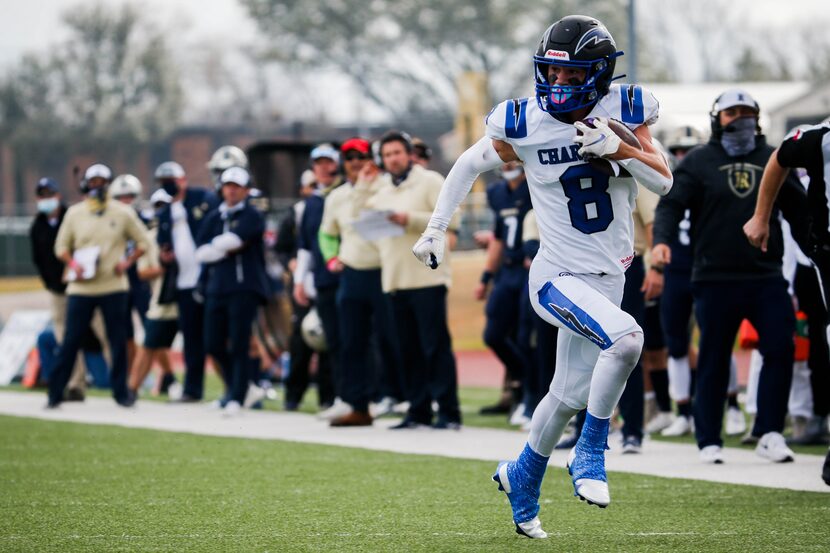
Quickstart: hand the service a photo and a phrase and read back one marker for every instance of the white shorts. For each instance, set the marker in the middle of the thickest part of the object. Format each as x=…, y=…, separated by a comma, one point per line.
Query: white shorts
x=587, y=308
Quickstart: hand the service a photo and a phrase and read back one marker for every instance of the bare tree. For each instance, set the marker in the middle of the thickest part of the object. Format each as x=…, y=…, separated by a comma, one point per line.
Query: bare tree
x=405, y=55
x=112, y=81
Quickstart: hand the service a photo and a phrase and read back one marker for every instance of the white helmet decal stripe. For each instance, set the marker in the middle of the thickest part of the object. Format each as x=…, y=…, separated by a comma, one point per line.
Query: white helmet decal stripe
x=595, y=36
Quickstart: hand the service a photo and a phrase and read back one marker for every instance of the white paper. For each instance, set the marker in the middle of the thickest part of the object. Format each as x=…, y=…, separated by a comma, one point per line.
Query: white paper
x=373, y=225
x=87, y=258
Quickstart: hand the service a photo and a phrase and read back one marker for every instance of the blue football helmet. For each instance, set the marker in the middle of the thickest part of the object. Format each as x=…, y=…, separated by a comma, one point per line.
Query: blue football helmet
x=575, y=41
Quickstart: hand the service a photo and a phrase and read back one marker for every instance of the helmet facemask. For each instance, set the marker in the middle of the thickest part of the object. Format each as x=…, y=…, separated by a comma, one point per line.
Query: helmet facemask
x=558, y=98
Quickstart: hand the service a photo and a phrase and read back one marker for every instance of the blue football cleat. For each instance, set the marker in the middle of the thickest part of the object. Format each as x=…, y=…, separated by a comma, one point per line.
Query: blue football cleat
x=587, y=470
x=524, y=499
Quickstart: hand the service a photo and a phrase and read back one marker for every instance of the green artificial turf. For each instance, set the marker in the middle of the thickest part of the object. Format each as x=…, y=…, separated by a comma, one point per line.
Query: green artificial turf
x=73, y=487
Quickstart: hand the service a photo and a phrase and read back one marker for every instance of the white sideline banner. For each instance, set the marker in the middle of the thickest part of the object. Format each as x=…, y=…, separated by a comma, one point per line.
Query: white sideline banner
x=17, y=339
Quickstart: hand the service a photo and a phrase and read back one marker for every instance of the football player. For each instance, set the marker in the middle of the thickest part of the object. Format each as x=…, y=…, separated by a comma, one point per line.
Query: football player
x=585, y=223
x=224, y=158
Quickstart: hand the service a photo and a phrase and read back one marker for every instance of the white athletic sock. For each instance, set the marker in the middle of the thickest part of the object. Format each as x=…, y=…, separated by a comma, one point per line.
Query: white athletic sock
x=801, y=392
x=680, y=378
x=756, y=361
x=611, y=372
x=733, y=377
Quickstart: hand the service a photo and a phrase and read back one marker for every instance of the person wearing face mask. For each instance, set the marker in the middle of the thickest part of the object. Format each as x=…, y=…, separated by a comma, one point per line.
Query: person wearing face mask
x=178, y=226
x=731, y=281
x=91, y=243
x=42, y=234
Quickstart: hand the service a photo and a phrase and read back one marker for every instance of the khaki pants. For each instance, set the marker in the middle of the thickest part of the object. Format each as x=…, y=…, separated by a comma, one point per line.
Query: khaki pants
x=78, y=379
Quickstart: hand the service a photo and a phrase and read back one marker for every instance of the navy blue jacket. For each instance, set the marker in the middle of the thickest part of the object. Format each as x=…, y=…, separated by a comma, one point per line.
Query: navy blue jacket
x=510, y=208
x=198, y=202
x=242, y=270
x=307, y=240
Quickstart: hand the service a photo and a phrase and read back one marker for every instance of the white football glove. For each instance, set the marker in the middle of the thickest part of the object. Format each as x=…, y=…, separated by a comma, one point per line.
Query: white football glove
x=430, y=247
x=600, y=141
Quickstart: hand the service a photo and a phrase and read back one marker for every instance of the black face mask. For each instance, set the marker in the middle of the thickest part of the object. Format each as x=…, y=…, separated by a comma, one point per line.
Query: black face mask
x=170, y=186
x=99, y=193
x=738, y=138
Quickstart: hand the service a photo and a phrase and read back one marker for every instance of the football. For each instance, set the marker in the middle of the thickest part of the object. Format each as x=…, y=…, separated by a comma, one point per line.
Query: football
x=627, y=136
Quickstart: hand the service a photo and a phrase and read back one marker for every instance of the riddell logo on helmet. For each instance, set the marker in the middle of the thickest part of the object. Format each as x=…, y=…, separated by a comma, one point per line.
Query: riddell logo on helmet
x=557, y=54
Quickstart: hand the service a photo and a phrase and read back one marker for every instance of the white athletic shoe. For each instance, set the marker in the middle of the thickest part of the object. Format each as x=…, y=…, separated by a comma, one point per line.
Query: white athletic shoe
x=175, y=391
x=518, y=417
x=660, y=421
x=594, y=491
x=232, y=409
x=631, y=445
x=712, y=454
x=680, y=427
x=401, y=408
x=773, y=446
x=338, y=409
x=216, y=405
x=532, y=529
x=254, y=394
x=735, y=422
x=382, y=407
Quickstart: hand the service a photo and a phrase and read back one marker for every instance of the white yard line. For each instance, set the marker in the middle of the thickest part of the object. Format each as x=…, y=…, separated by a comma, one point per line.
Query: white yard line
x=658, y=458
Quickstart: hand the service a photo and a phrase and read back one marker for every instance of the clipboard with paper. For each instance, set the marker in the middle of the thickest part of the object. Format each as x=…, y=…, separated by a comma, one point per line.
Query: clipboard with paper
x=374, y=224
x=87, y=260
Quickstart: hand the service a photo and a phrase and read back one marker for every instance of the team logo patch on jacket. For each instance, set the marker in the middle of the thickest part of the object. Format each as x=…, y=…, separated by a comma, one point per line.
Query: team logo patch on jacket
x=742, y=177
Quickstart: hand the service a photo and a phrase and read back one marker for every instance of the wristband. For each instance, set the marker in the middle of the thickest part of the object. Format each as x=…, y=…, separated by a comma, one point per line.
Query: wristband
x=486, y=277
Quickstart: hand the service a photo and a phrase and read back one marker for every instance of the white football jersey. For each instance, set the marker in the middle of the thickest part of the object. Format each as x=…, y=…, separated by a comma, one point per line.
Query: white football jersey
x=584, y=216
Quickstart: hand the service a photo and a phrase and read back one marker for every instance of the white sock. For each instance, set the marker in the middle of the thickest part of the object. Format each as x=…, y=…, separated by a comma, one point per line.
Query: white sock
x=756, y=361
x=680, y=378
x=733, y=377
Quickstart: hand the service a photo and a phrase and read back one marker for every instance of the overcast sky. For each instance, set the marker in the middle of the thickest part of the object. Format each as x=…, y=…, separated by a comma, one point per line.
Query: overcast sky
x=32, y=24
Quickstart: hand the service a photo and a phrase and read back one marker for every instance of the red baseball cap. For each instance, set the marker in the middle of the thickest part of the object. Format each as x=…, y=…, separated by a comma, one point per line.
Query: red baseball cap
x=358, y=144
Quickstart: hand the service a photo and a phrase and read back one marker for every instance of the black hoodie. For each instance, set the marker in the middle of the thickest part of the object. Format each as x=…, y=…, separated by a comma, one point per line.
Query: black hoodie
x=721, y=192
x=42, y=236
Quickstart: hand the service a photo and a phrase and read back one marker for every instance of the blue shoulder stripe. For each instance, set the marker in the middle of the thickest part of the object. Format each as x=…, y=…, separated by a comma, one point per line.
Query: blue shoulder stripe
x=515, y=118
x=632, y=110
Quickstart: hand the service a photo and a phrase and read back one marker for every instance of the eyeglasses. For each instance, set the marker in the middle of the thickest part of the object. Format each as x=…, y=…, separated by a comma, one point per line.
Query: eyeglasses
x=354, y=156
